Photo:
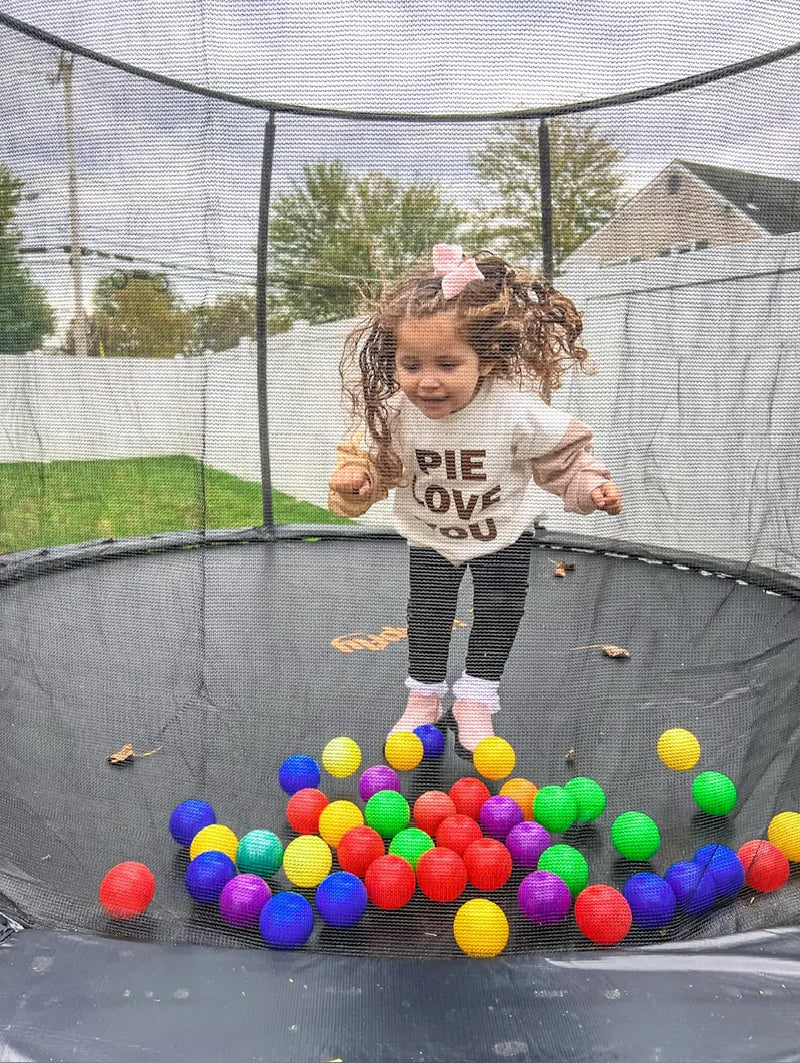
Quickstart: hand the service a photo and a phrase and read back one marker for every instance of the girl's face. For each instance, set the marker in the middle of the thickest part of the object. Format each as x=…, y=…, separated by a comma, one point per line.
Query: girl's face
x=435, y=366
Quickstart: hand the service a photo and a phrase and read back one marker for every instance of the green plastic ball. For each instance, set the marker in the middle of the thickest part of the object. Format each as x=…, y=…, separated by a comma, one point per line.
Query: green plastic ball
x=260, y=852
x=555, y=808
x=590, y=798
x=635, y=836
x=714, y=793
x=568, y=864
x=387, y=812
x=410, y=844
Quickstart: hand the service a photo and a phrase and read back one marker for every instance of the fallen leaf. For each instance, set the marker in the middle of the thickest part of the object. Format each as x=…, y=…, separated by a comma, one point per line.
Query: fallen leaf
x=570, y=757
x=122, y=756
x=615, y=651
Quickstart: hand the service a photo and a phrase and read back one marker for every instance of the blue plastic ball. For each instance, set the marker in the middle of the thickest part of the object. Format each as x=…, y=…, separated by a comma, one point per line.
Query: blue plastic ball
x=724, y=866
x=432, y=740
x=298, y=772
x=341, y=899
x=208, y=874
x=189, y=818
x=652, y=900
x=694, y=888
x=286, y=921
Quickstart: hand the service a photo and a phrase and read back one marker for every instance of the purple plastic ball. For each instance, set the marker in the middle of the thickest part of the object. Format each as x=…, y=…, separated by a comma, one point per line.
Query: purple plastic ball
x=526, y=842
x=242, y=899
x=380, y=777
x=544, y=897
x=498, y=815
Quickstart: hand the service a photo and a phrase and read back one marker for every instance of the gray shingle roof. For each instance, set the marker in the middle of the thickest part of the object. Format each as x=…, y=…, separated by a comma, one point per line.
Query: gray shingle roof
x=771, y=202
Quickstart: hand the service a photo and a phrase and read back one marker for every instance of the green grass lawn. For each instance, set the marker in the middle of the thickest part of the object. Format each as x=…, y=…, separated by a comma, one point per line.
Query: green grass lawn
x=58, y=502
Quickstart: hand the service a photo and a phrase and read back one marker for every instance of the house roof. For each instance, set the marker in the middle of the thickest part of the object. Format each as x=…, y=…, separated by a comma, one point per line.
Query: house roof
x=771, y=202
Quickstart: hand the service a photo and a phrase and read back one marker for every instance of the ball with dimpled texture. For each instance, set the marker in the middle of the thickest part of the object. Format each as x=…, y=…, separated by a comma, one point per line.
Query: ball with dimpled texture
x=544, y=898
x=341, y=757
x=298, y=772
x=403, y=750
x=784, y=832
x=468, y=795
x=359, y=847
x=526, y=842
x=488, y=864
x=207, y=874
x=432, y=740
x=678, y=749
x=603, y=915
x=378, y=777
x=651, y=899
x=337, y=818
x=260, y=852
x=387, y=812
x=766, y=868
x=441, y=874
x=410, y=844
x=188, y=818
x=555, y=808
x=635, y=836
x=390, y=882
x=127, y=889
x=341, y=899
x=523, y=791
x=242, y=899
x=589, y=797
x=693, y=886
x=498, y=815
x=724, y=866
x=431, y=808
x=216, y=838
x=480, y=928
x=286, y=921
x=569, y=864
x=494, y=758
x=714, y=793
x=457, y=832
x=304, y=808
x=307, y=860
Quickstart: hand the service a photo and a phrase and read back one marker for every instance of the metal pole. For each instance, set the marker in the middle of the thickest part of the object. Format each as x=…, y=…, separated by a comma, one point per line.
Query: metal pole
x=262, y=307
x=546, y=201
x=80, y=331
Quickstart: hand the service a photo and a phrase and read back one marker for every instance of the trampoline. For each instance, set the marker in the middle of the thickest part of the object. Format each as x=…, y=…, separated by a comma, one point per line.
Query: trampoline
x=220, y=651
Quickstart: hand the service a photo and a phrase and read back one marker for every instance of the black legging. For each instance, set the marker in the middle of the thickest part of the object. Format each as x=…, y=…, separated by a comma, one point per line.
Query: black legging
x=500, y=587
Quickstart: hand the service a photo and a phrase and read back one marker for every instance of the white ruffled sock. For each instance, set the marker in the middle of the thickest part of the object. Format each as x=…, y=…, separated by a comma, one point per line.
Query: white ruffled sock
x=472, y=688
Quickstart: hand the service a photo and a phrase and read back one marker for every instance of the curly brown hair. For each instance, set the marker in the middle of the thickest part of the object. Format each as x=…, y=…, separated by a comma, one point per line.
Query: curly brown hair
x=514, y=320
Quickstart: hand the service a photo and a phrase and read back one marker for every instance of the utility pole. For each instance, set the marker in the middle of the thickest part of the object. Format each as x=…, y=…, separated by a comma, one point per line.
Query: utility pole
x=80, y=328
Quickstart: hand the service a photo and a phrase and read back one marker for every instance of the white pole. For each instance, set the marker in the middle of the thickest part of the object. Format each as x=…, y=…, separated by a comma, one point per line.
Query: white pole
x=80, y=329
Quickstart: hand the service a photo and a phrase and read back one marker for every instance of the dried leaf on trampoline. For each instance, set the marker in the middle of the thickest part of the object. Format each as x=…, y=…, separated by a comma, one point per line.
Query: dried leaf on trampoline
x=563, y=567
x=127, y=753
x=608, y=649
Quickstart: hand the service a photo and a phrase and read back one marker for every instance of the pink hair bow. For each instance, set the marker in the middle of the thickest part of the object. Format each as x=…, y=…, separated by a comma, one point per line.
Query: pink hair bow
x=455, y=270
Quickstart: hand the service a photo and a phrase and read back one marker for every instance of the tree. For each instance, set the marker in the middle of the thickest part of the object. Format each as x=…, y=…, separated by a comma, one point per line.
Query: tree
x=25, y=315
x=334, y=234
x=137, y=315
x=219, y=326
x=586, y=187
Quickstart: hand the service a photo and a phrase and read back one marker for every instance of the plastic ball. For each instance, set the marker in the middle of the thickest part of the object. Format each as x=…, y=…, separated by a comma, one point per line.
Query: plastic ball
x=765, y=867
x=341, y=757
x=431, y=808
x=242, y=899
x=494, y=758
x=390, y=882
x=651, y=899
x=714, y=793
x=403, y=750
x=286, y=921
x=358, y=848
x=723, y=865
x=498, y=815
x=341, y=899
x=635, y=836
x=337, y=818
x=432, y=740
x=127, y=889
x=488, y=864
x=260, y=852
x=298, y=772
x=410, y=844
x=693, y=886
x=523, y=792
x=307, y=860
x=678, y=749
x=468, y=795
x=589, y=797
x=784, y=832
x=566, y=862
x=603, y=915
x=526, y=842
x=457, y=832
x=379, y=777
x=207, y=874
x=480, y=928
x=544, y=898
x=387, y=812
x=303, y=810
x=441, y=874
x=216, y=838
x=189, y=818
x=555, y=808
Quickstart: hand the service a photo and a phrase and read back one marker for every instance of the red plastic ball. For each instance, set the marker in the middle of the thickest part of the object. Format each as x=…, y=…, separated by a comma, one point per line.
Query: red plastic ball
x=442, y=874
x=390, y=882
x=431, y=808
x=602, y=914
x=766, y=868
x=359, y=847
x=488, y=864
x=303, y=810
x=127, y=889
x=457, y=832
x=468, y=795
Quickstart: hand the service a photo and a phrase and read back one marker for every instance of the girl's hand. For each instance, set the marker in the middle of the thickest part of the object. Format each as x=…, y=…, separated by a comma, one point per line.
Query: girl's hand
x=351, y=480
x=608, y=497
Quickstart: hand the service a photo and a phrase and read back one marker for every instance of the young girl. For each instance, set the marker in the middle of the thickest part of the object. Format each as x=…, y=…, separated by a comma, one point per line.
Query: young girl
x=447, y=378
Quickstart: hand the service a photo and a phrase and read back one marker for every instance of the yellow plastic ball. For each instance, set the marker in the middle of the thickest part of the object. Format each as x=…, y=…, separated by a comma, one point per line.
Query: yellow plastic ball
x=523, y=792
x=403, y=750
x=494, y=758
x=784, y=833
x=307, y=860
x=214, y=838
x=678, y=749
x=337, y=818
x=480, y=928
x=341, y=757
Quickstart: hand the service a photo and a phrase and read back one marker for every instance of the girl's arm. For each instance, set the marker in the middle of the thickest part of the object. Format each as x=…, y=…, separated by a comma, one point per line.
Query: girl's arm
x=355, y=484
x=570, y=471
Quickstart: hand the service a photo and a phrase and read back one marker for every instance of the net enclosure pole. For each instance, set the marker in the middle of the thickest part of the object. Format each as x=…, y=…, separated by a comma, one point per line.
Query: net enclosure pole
x=262, y=307
x=546, y=199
